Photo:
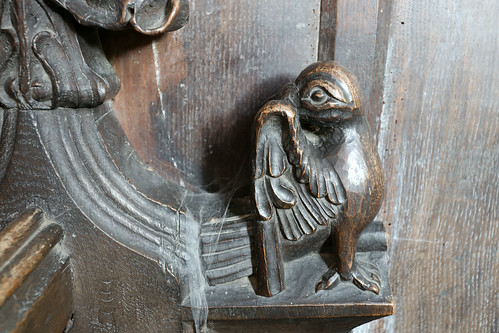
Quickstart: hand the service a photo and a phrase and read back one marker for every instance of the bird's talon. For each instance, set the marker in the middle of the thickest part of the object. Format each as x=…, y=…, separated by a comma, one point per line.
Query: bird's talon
x=328, y=281
x=319, y=286
x=362, y=283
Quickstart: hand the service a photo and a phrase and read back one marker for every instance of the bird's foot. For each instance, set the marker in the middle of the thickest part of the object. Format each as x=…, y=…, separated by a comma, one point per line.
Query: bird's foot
x=365, y=277
x=329, y=280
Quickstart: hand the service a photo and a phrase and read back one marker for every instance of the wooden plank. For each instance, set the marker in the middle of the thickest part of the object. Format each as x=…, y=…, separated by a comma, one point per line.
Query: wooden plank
x=188, y=98
x=439, y=142
x=20, y=255
x=355, y=43
x=354, y=33
x=35, y=279
x=15, y=234
x=282, y=325
x=327, y=32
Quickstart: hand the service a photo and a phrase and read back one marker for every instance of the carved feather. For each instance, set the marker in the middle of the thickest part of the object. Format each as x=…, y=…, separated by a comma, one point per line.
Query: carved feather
x=290, y=183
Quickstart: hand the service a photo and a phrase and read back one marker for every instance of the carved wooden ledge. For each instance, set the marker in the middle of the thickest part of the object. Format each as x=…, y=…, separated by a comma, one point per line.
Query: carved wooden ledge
x=234, y=306
x=35, y=278
x=141, y=256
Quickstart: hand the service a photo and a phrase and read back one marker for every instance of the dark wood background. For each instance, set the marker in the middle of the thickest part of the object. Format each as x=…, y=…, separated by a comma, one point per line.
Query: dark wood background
x=430, y=75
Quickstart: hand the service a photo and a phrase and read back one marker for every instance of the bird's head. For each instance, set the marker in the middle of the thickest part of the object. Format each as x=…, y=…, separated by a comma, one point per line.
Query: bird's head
x=326, y=93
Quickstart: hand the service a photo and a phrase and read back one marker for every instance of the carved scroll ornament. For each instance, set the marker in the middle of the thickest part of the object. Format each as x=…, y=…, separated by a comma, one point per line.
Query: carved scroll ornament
x=316, y=181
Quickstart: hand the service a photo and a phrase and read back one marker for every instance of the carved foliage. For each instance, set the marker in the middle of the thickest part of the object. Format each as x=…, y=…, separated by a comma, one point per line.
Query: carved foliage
x=47, y=61
x=50, y=64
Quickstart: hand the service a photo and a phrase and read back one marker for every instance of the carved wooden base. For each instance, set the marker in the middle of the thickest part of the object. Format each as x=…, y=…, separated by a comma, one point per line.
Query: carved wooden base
x=235, y=307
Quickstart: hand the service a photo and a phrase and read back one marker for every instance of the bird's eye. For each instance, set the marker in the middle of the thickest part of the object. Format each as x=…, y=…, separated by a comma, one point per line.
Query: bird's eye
x=318, y=95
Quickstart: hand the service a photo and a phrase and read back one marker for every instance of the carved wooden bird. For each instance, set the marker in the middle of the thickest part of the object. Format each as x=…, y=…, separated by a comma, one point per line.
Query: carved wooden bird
x=316, y=176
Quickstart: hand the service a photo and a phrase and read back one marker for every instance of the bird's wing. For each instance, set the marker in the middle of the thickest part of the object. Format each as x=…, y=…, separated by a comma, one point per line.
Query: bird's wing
x=320, y=177
x=295, y=202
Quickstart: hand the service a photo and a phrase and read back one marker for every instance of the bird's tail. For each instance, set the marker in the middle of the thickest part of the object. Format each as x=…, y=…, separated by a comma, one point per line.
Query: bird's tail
x=226, y=246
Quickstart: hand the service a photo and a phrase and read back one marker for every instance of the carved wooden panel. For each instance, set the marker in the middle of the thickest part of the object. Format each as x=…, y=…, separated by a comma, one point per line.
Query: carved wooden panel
x=173, y=250
x=142, y=241
x=407, y=34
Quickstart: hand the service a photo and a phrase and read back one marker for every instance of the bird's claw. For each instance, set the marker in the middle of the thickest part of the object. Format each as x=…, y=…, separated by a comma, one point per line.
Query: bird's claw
x=329, y=280
x=363, y=278
x=362, y=282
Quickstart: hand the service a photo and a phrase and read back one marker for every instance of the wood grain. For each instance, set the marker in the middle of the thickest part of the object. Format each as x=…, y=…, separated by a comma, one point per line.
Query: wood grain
x=16, y=233
x=327, y=31
x=355, y=41
x=353, y=33
x=52, y=310
x=20, y=258
x=188, y=98
x=439, y=142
